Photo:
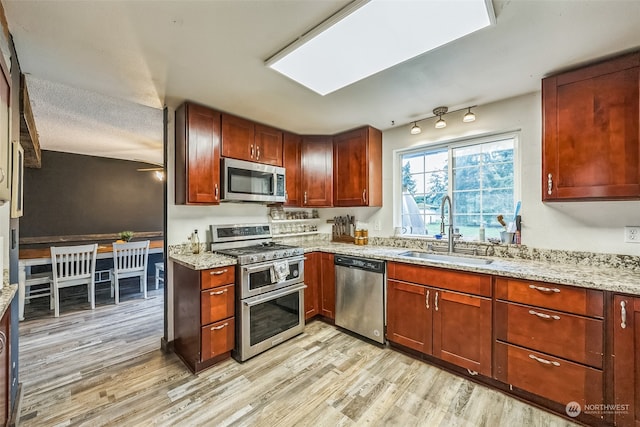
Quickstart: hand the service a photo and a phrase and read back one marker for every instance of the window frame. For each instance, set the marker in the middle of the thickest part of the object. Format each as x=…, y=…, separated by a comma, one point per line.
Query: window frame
x=450, y=145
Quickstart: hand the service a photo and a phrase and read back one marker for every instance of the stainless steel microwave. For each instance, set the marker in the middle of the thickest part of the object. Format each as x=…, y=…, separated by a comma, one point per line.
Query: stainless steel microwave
x=252, y=182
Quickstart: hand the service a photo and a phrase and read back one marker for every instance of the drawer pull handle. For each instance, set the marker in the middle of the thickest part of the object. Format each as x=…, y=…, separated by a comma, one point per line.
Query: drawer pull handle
x=218, y=292
x=544, y=289
x=219, y=272
x=217, y=328
x=623, y=314
x=546, y=362
x=544, y=316
x=426, y=299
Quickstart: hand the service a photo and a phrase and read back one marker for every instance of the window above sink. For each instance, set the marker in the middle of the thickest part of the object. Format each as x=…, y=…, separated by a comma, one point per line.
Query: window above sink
x=482, y=182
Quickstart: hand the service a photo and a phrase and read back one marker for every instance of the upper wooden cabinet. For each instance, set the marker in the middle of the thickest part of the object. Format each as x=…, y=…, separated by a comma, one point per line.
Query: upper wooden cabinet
x=317, y=171
x=591, y=140
x=357, y=166
x=291, y=146
x=197, y=139
x=245, y=140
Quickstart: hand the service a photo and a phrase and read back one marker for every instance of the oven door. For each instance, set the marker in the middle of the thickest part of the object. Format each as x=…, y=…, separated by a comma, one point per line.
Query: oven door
x=269, y=319
x=257, y=279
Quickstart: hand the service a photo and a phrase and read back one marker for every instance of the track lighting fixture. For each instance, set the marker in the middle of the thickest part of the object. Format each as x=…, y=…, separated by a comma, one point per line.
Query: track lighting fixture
x=469, y=117
x=439, y=112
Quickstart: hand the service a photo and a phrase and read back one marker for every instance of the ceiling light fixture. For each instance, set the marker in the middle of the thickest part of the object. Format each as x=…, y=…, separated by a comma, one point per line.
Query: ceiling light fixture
x=439, y=112
x=350, y=45
x=469, y=117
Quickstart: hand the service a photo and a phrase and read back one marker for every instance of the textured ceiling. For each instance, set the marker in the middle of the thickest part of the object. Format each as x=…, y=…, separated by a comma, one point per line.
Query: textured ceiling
x=92, y=65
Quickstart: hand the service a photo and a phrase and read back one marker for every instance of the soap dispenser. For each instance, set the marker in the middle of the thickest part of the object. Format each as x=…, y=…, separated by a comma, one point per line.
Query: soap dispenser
x=195, y=242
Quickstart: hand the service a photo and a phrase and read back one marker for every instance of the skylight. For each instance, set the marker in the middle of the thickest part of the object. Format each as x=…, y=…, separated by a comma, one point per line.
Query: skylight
x=370, y=36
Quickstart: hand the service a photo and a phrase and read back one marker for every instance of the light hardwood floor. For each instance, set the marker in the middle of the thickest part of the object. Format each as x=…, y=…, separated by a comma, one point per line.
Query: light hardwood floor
x=105, y=368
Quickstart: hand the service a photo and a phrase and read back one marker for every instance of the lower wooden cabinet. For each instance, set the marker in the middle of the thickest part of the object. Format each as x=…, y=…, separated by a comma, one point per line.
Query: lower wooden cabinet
x=428, y=317
x=320, y=294
x=626, y=359
x=5, y=371
x=204, y=310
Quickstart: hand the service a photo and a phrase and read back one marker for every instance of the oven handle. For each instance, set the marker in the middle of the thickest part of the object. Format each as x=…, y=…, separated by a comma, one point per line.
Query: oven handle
x=254, y=267
x=274, y=294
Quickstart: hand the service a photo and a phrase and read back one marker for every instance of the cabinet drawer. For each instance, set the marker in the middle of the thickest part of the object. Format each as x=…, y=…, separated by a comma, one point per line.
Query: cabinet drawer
x=217, y=338
x=217, y=304
x=586, y=302
x=217, y=276
x=564, y=335
x=550, y=377
x=471, y=283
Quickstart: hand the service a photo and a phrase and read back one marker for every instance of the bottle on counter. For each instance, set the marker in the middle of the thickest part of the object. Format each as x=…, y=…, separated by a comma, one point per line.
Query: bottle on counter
x=195, y=242
x=481, y=237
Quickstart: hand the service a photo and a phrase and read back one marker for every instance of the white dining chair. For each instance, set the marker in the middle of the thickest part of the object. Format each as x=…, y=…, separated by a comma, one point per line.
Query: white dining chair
x=73, y=266
x=129, y=260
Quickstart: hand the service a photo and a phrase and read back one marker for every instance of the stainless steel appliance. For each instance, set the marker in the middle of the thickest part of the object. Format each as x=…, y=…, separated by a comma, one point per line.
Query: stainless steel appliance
x=253, y=182
x=270, y=287
x=360, y=296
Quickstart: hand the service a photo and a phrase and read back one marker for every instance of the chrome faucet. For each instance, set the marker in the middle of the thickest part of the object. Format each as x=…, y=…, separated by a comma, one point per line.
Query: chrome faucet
x=450, y=233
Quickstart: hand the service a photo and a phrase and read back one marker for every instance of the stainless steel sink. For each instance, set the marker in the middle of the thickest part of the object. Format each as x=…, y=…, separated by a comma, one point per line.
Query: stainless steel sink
x=453, y=259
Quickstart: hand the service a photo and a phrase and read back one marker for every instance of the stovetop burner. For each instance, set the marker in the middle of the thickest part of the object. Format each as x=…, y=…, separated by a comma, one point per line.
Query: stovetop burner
x=261, y=252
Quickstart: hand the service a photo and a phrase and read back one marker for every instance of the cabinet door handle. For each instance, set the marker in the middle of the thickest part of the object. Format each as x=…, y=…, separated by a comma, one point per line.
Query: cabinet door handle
x=623, y=314
x=426, y=299
x=217, y=328
x=251, y=150
x=436, y=301
x=218, y=272
x=549, y=184
x=257, y=152
x=544, y=289
x=544, y=316
x=215, y=191
x=546, y=362
x=364, y=195
x=3, y=174
x=305, y=197
x=218, y=292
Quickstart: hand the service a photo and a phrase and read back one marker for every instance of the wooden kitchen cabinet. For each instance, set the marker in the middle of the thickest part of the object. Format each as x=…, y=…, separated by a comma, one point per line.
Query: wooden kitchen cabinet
x=5, y=368
x=626, y=362
x=357, y=165
x=291, y=146
x=246, y=140
x=327, y=286
x=591, y=132
x=442, y=313
x=312, y=280
x=197, y=162
x=317, y=171
x=550, y=340
x=204, y=315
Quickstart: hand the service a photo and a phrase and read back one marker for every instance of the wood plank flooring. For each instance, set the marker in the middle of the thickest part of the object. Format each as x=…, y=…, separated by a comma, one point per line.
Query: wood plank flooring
x=105, y=368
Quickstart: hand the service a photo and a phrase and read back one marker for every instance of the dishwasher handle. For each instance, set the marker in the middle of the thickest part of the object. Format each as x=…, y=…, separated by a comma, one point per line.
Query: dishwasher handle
x=373, y=265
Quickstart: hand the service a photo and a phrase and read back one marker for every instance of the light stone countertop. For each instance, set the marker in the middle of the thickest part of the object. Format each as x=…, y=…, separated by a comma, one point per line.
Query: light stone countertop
x=587, y=276
x=6, y=293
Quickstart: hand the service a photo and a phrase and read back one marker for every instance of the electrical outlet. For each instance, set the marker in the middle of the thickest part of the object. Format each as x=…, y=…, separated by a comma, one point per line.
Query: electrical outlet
x=376, y=225
x=632, y=234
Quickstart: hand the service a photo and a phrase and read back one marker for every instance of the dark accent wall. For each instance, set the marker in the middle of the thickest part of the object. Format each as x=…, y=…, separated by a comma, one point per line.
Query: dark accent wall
x=77, y=194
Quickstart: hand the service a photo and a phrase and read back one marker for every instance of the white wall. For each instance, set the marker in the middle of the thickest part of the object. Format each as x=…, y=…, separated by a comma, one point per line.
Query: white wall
x=584, y=226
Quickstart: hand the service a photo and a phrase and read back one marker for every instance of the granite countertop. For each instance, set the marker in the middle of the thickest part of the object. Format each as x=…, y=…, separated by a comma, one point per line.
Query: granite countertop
x=587, y=276
x=6, y=296
x=202, y=261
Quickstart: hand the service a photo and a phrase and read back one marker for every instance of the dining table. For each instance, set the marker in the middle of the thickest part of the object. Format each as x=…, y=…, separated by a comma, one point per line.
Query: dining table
x=30, y=257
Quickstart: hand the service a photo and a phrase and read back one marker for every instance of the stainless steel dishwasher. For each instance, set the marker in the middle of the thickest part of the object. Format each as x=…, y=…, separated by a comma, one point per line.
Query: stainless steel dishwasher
x=360, y=296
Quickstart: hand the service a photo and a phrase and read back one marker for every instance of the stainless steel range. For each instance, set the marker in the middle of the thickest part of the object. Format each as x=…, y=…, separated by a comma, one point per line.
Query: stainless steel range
x=270, y=286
